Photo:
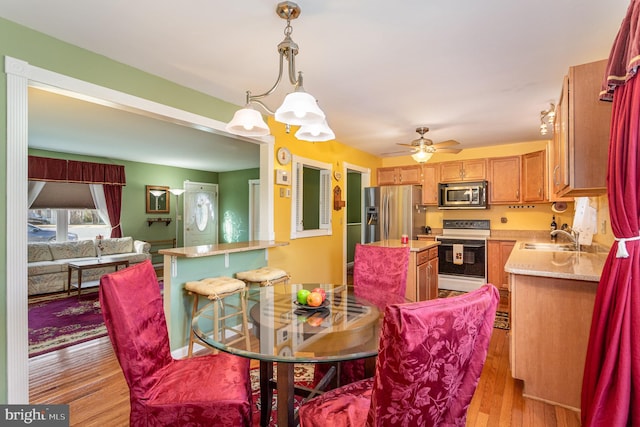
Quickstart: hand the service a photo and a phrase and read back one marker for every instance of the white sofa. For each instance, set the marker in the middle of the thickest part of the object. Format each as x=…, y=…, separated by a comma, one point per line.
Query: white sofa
x=47, y=262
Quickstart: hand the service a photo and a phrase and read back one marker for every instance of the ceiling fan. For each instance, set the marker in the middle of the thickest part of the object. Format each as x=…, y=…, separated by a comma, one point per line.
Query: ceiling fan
x=423, y=148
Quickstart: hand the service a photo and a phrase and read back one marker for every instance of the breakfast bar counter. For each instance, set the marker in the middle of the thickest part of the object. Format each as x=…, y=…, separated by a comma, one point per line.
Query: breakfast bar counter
x=193, y=263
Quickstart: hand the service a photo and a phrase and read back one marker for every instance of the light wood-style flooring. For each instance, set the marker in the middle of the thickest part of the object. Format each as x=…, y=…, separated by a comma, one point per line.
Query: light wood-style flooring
x=88, y=378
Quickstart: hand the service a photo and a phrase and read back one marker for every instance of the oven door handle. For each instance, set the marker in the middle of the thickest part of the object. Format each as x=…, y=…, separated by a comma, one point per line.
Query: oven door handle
x=465, y=245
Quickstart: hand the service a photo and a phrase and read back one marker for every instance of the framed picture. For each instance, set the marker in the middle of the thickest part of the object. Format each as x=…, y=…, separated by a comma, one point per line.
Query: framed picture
x=157, y=197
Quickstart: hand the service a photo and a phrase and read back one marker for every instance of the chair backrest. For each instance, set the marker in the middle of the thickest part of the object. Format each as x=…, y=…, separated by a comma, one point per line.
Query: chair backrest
x=133, y=312
x=380, y=268
x=430, y=359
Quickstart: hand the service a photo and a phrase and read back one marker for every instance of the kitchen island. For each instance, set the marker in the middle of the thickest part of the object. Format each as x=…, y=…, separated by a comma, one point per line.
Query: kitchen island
x=422, y=277
x=196, y=263
x=552, y=299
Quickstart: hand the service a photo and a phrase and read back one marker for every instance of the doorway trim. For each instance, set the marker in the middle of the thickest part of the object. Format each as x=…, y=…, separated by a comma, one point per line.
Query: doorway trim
x=364, y=182
x=20, y=75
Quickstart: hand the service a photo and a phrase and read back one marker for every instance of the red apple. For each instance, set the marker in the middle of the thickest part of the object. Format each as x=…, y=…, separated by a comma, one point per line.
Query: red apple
x=321, y=292
x=314, y=299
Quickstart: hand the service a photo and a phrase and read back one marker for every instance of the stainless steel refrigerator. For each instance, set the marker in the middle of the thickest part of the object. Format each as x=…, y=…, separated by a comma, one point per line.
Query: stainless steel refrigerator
x=393, y=210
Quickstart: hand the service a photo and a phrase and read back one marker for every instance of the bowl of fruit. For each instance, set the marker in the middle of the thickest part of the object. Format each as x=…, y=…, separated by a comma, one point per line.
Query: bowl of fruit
x=315, y=299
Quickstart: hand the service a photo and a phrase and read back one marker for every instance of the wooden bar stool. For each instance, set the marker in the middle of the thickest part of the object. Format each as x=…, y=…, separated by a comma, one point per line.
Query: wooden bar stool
x=264, y=276
x=215, y=289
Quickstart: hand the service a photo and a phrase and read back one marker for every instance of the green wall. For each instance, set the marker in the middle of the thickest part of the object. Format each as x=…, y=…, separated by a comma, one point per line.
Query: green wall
x=233, y=203
x=52, y=54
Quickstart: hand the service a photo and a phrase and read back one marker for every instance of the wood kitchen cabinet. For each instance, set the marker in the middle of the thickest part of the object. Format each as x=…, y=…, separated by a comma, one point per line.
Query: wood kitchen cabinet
x=422, y=280
x=534, y=180
x=504, y=180
x=498, y=252
x=400, y=175
x=464, y=170
x=550, y=322
x=430, y=179
x=578, y=161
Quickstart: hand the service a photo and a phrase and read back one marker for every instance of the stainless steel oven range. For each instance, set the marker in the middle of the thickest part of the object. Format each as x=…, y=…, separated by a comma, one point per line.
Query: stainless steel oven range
x=462, y=253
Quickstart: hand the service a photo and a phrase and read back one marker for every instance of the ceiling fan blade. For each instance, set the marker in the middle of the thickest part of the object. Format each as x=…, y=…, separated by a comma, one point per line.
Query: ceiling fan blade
x=447, y=143
x=449, y=150
x=407, y=145
x=396, y=153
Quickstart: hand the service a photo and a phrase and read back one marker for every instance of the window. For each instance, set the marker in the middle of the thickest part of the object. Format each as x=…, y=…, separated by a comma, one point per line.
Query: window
x=311, y=198
x=79, y=224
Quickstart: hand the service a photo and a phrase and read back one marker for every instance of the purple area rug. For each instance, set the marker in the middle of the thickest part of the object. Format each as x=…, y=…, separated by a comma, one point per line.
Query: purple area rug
x=59, y=321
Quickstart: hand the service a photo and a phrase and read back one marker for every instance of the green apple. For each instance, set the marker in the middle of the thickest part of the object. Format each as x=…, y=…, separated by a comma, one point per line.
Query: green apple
x=302, y=296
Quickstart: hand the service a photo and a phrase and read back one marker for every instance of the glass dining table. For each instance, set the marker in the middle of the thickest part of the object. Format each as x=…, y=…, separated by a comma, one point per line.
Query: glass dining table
x=345, y=327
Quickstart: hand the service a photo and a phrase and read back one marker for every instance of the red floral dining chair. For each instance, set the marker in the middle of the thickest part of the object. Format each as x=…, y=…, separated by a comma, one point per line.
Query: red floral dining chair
x=429, y=364
x=375, y=269
x=201, y=391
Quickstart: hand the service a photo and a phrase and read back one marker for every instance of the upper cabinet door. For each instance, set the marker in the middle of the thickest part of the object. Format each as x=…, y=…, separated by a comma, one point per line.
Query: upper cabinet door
x=504, y=178
x=534, y=176
x=463, y=170
x=430, y=178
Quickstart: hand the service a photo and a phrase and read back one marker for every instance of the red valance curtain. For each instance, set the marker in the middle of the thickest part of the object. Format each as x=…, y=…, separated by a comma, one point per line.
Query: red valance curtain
x=111, y=177
x=59, y=170
x=611, y=383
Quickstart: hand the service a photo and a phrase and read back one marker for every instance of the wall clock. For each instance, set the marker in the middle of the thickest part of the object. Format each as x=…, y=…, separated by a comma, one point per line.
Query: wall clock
x=284, y=156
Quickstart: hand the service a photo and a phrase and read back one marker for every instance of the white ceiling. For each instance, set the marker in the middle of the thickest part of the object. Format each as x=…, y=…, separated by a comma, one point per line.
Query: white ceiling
x=476, y=72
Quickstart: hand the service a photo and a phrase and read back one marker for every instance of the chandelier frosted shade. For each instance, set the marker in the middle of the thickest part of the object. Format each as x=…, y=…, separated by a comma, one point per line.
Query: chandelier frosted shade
x=317, y=132
x=247, y=122
x=421, y=156
x=298, y=109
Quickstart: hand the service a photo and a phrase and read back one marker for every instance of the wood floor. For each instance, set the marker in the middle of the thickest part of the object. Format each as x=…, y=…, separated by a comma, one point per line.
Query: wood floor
x=88, y=378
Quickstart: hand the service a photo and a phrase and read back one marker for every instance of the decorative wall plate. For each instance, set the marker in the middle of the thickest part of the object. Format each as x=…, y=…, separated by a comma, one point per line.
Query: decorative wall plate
x=284, y=156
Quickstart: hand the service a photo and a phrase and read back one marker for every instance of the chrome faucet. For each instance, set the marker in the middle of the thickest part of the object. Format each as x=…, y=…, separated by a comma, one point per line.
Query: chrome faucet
x=573, y=236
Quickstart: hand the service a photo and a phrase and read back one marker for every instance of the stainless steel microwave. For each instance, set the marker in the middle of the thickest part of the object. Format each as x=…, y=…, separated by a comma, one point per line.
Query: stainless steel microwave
x=462, y=195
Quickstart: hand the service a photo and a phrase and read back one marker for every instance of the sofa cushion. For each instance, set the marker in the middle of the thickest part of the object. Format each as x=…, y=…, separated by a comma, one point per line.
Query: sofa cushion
x=38, y=252
x=119, y=245
x=45, y=267
x=66, y=250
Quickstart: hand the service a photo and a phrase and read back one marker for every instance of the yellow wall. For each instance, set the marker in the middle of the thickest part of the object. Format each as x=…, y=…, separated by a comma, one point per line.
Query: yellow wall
x=313, y=259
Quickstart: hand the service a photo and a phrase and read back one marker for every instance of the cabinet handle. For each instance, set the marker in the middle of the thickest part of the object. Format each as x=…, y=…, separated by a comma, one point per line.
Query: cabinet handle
x=555, y=175
x=540, y=192
x=517, y=194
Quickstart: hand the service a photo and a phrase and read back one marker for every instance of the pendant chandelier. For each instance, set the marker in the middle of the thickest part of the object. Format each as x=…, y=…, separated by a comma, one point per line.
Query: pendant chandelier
x=299, y=108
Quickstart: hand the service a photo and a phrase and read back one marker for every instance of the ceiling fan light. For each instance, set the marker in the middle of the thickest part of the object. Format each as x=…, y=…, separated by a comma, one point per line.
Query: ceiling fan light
x=317, y=132
x=298, y=109
x=421, y=156
x=247, y=122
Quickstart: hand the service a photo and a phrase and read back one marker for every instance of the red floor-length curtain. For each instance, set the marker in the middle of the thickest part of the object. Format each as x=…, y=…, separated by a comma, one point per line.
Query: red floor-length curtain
x=113, y=197
x=611, y=384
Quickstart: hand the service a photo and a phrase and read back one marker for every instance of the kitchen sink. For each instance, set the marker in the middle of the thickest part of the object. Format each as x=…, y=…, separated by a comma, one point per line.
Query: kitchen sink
x=563, y=247
x=554, y=247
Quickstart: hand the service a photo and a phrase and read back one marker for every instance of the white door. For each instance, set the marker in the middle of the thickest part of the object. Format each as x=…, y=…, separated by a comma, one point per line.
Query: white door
x=200, y=214
x=254, y=209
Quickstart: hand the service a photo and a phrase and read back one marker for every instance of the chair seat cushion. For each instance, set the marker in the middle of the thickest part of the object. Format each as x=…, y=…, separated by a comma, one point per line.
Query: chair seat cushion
x=214, y=286
x=347, y=406
x=182, y=382
x=261, y=274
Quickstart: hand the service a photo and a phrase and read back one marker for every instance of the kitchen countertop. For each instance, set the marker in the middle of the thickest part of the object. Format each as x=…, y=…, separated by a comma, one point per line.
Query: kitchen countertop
x=220, y=248
x=558, y=264
x=414, y=245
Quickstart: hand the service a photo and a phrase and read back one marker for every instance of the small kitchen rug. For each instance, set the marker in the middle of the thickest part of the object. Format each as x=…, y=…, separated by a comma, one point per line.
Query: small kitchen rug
x=502, y=317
